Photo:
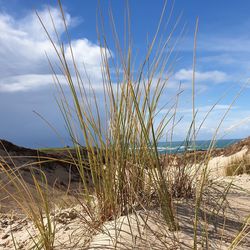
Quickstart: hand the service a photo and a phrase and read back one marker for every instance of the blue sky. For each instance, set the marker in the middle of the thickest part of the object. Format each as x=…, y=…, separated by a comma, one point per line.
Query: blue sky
x=223, y=61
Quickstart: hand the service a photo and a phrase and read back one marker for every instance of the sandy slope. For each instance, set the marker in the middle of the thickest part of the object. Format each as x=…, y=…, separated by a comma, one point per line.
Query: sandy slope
x=74, y=229
x=144, y=230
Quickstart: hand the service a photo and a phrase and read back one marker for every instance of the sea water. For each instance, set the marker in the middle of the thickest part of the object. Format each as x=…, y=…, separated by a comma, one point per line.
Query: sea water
x=181, y=146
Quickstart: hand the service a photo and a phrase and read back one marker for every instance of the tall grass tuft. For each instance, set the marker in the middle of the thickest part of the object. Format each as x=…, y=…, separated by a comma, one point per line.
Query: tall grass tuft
x=118, y=128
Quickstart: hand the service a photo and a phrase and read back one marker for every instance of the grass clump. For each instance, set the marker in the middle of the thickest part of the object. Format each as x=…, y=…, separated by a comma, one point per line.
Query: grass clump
x=122, y=145
x=238, y=167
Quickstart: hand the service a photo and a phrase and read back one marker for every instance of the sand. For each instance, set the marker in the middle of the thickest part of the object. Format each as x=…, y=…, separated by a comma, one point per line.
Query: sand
x=144, y=229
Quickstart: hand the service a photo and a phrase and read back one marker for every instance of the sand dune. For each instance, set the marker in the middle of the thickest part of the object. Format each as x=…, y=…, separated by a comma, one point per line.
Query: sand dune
x=75, y=229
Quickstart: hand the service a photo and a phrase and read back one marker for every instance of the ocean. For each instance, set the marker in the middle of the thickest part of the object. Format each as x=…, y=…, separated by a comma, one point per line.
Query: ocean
x=181, y=146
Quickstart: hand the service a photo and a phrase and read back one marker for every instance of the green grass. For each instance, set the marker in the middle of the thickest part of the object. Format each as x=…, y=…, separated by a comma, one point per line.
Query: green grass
x=55, y=149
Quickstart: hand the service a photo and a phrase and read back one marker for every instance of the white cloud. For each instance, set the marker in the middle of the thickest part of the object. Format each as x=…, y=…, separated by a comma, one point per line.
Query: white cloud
x=226, y=44
x=23, y=44
x=24, y=82
x=80, y=47
x=28, y=82
x=205, y=76
x=235, y=125
x=31, y=25
x=218, y=43
x=222, y=59
x=207, y=108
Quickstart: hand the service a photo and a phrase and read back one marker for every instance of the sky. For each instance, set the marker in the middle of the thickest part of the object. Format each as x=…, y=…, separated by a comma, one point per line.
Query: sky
x=222, y=62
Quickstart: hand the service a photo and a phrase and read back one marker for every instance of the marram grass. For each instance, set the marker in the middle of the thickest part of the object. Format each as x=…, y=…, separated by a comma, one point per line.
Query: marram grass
x=122, y=147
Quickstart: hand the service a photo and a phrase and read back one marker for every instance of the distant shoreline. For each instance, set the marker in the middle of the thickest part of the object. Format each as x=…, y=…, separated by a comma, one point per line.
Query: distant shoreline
x=163, y=147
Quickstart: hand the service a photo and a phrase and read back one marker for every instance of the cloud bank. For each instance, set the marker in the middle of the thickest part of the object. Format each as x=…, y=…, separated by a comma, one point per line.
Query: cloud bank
x=23, y=44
